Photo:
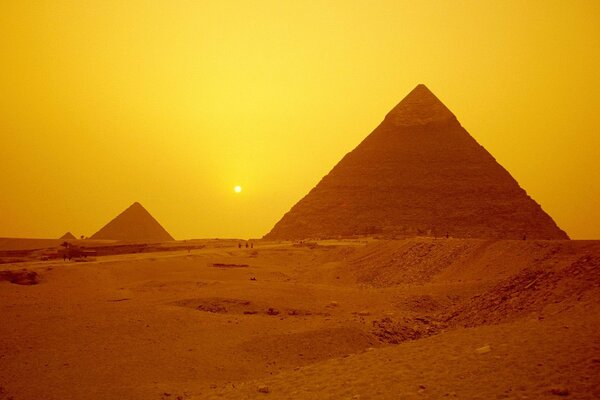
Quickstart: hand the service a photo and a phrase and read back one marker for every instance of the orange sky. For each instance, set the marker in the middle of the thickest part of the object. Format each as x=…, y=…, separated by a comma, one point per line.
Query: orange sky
x=173, y=103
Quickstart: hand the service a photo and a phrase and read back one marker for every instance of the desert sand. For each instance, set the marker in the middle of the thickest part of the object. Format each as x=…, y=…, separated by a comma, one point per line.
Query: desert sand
x=422, y=318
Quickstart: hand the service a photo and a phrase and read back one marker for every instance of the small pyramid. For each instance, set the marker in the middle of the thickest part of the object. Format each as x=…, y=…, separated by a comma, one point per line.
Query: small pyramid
x=134, y=224
x=68, y=236
x=418, y=173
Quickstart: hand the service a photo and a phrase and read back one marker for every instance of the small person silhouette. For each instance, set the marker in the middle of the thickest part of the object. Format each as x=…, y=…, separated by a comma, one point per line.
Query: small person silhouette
x=251, y=245
x=246, y=244
x=239, y=245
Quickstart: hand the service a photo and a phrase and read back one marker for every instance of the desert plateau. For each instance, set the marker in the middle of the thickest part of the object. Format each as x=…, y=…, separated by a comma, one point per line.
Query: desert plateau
x=417, y=318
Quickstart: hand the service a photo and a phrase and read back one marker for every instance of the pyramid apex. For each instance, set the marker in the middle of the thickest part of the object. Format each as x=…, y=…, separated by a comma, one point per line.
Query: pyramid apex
x=136, y=206
x=419, y=107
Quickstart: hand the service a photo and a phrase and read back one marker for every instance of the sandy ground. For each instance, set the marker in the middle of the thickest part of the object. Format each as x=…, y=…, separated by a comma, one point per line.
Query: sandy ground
x=362, y=319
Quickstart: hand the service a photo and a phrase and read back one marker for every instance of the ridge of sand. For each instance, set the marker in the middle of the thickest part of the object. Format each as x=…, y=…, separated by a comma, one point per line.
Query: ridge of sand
x=27, y=243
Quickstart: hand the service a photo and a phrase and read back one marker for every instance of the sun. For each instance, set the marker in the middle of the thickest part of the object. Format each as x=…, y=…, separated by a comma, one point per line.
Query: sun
x=237, y=189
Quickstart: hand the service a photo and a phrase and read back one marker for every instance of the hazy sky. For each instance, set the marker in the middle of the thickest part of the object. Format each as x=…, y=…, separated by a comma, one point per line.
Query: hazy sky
x=173, y=103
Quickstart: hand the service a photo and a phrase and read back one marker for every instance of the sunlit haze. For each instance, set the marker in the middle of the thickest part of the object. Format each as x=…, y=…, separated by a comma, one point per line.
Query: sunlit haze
x=173, y=104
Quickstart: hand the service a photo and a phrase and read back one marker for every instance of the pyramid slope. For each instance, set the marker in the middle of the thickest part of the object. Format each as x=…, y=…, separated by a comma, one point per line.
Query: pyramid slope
x=68, y=236
x=134, y=224
x=418, y=173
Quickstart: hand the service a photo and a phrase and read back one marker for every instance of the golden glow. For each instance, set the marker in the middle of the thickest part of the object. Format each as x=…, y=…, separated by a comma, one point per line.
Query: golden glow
x=108, y=102
x=237, y=189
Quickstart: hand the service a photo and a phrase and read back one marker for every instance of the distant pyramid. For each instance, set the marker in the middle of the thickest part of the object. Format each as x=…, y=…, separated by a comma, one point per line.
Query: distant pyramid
x=418, y=173
x=134, y=224
x=68, y=236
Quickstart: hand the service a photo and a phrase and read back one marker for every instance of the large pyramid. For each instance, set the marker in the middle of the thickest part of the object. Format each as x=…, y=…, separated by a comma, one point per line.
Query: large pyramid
x=134, y=224
x=418, y=173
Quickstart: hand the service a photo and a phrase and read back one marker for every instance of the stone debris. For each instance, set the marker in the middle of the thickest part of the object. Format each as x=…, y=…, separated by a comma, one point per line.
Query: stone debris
x=394, y=331
x=559, y=391
x=264, y=389
x=483, y=350
x=22, y=277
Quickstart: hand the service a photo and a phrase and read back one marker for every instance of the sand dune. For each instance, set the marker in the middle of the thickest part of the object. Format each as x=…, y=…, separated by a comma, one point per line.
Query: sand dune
x=334, y=319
